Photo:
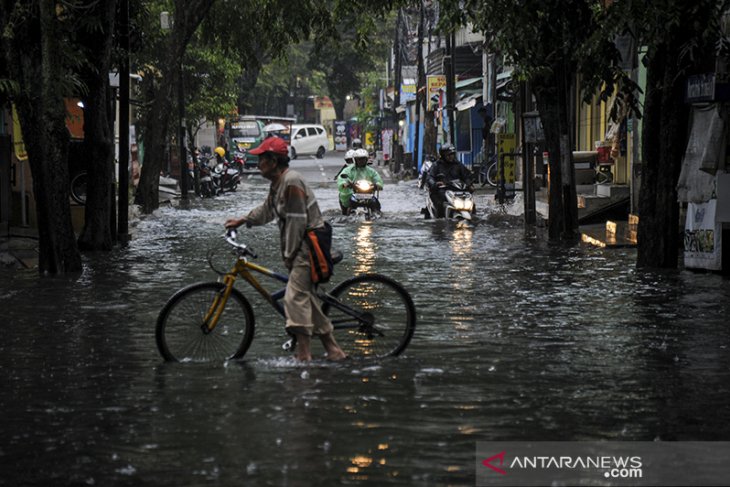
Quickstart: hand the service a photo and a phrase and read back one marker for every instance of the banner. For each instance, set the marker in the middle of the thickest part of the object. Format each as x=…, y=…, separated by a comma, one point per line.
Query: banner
x=702, y=237
x=340, y=135
x=387, y=136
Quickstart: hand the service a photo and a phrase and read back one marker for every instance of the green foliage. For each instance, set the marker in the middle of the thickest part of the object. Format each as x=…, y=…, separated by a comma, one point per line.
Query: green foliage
x=210, y=82
x=355, y=48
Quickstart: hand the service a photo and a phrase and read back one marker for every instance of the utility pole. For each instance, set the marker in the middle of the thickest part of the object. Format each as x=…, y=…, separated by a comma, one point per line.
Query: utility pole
x=420, y=95
x=528, y=141
x=396, y=90
x=123, y=197
x=450, y=85
x=183, y=156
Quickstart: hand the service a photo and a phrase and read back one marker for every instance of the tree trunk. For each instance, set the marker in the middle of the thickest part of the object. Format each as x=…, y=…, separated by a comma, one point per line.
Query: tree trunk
x=188, y=16
x=98, y=133
x=429, y=133
x=156, y=132
x=35, y=64
x=664, y=142
x=552, y=102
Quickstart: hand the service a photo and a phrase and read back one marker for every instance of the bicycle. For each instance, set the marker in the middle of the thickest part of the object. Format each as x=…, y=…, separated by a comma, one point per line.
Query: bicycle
x=373, y=316
x=486, y=173
x=78, y=188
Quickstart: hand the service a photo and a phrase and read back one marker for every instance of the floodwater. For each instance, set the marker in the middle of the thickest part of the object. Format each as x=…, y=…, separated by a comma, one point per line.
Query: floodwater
x=516, y=340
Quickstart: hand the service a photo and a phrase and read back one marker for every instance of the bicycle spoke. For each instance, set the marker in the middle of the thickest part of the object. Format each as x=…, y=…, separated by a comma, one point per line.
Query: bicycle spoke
x=373, y=316
x=180, y=334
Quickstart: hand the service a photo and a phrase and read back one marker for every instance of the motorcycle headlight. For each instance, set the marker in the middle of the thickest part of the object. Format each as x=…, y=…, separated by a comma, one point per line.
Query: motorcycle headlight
x=463, y=204
x=364, y=186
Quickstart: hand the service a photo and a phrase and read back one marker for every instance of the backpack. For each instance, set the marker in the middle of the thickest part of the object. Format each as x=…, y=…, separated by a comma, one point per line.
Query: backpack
x=320, y=252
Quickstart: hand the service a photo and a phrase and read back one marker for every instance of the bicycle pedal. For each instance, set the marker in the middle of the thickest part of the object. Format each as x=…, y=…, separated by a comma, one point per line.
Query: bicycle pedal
x=288, y=345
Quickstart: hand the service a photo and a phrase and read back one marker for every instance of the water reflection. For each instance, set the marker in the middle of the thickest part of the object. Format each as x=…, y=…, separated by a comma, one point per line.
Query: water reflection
x=366, y=249
x=516, y=340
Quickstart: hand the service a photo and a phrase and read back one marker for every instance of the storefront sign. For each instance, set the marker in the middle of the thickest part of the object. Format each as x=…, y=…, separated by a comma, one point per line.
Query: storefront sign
x=407, y=91
x=706, y=87
x=701, y=87
x=435, y=83
x=506, y=144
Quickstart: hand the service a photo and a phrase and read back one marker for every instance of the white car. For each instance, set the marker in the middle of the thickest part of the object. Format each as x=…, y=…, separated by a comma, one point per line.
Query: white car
x=308, y=139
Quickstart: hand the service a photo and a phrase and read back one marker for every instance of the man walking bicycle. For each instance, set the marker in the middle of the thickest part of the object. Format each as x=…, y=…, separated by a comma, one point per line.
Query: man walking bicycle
x=292, y=202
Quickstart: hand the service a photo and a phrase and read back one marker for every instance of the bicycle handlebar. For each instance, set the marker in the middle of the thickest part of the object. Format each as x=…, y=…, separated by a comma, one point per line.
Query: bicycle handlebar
x=230, y=237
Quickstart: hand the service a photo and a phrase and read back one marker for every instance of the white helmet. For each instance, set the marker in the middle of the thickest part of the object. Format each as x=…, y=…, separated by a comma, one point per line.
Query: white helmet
x=349, y=156
x=358, y=153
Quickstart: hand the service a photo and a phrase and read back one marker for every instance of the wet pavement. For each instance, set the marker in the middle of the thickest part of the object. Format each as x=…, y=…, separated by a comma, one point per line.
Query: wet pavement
x=516, y=340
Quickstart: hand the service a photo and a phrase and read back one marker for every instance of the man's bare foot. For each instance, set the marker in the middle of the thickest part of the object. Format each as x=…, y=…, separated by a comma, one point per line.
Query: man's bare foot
x=304, y=349
x=334, y=352
x=337, y=357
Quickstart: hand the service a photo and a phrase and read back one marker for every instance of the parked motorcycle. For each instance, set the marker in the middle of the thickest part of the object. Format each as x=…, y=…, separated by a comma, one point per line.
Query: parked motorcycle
x=207, y=188
x=458, y=203
x=225, y=177
x=364, y=198
x=239, y=161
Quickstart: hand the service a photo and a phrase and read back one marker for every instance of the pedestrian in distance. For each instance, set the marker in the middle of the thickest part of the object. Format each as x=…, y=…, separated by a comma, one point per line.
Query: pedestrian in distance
x=292, y=202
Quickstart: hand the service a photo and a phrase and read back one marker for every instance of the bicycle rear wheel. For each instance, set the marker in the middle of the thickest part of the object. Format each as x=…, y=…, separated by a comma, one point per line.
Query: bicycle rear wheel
x=78, y=188
x=490, y=174
x=373, y=316
x=182, y=335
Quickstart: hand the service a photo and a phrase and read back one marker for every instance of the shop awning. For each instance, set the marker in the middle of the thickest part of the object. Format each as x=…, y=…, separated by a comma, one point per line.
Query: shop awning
x=467, y=82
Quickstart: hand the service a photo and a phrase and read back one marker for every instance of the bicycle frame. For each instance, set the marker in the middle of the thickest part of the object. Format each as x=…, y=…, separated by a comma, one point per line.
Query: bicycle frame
x=244, y=268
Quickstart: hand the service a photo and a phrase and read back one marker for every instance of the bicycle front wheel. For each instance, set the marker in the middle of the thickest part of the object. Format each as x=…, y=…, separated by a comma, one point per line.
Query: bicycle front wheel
x=373, y=316
x=183, y=336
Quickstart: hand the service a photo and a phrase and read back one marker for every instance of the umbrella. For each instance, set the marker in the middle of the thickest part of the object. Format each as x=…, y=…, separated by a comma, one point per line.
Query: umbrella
x=274, y=127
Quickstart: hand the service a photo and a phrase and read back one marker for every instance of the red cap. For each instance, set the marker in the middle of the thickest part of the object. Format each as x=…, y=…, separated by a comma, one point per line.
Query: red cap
x=272, y=144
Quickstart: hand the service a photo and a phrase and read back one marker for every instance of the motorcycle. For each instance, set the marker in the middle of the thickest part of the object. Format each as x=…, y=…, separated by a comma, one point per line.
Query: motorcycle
x=207, y=188
x=239, y=161
x=225, y=177
x=458, y=203
x=364, y=198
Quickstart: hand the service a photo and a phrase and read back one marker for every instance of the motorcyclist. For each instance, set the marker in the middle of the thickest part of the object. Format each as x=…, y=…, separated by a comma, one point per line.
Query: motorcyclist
x=356, y=144
x=446, y=169
x=355, y=172
x=348, y=160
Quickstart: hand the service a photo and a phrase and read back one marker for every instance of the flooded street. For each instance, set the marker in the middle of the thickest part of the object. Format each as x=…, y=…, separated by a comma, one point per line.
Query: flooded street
x=515, y=340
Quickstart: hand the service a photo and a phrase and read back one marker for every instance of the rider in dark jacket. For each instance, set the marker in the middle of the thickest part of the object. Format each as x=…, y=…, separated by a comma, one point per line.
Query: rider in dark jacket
x=446, y=169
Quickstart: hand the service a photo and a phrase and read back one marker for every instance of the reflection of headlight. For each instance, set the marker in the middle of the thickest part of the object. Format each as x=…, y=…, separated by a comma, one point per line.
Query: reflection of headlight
x=364, y=185
x=463, y=204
